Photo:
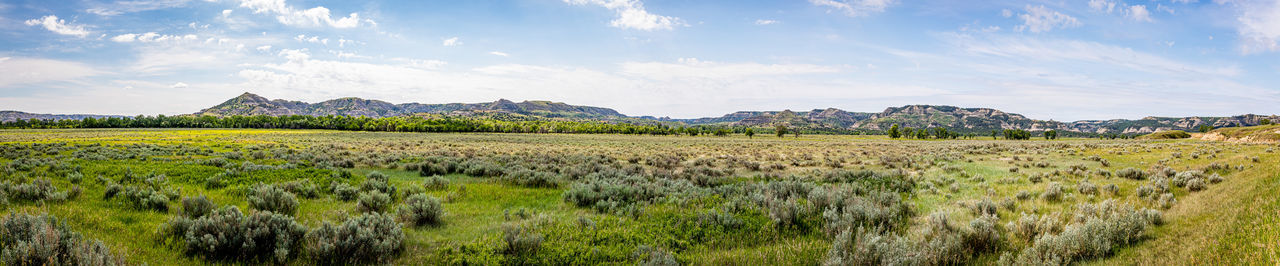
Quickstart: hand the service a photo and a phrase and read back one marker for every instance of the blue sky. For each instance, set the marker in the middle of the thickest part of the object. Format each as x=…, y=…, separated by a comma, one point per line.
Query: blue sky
x=1061, y=60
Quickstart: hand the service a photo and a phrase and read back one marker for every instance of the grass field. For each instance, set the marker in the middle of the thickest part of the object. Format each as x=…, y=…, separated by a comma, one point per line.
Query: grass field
x=613, y=199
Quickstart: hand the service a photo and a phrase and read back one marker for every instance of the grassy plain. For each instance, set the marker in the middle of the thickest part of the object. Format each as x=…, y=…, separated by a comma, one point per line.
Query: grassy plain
x=699, y=200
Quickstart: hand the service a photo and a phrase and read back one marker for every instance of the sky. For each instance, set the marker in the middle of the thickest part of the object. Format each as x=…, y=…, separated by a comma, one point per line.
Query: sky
x=1059, y=60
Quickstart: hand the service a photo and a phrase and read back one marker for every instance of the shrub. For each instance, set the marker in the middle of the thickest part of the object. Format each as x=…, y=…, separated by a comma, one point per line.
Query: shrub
x=197, y=206
x=1025, y=227
x=520, y=240
x=1084, y=187
x=984, y=207
x=1146, y=190
x=378, y=182
x=421, y=210
x=75, y=177
x=985, y=234
x=1112, y=189
x=1035, y=178
x=1023, y=195
x=1196, y=184
x=44, y=240
x=302, y=188
x=1215, y=178
x=1166, y=201
x=112, y=190
x=368, y=238
x=273, y=199
x=650, y=256
x=1132, y=173
x=435, y=182
x=227, y=234
x=373, y=201
x=344, y=192
x=1102, y=232
x=1053, y=193
x=40, y=189
x=146, y=198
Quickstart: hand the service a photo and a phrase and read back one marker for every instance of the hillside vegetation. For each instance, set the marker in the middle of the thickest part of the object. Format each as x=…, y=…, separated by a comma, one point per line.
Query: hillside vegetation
x=1167, y=134
x=963, y=120
x=1268, y=133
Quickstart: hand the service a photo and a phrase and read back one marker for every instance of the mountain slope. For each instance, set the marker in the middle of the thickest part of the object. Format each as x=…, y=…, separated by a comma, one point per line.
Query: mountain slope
x=973, y=120
x=250, y=104
x=11, y=116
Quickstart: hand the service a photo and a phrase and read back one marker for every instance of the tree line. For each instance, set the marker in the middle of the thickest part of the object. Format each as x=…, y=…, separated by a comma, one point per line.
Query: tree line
x=433, y=123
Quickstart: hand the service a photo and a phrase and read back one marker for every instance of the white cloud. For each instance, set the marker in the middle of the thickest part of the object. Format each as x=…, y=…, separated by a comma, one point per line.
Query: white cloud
x=312, y=39
x=1102, y=5
x=1138, y=13
x=856, y=8
x=766, y=22
x=497, y=53
x=316, y=16
x=19, y=71
x=121, y=7
x=264, y=48
x=153, y=37
x=1041, y=19
x=178, y=85
x=1006, y=13
x=1259, y=26
x=59, y=26
x=451, y=42
x=632, y=15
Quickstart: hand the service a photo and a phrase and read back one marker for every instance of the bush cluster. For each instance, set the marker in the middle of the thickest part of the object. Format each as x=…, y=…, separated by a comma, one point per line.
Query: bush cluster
x=273, y=199
x=421, y=210
x=40, y=189
x=373, y=201
x=228, y=234
x=368, y=238
x=44, y=240
x=1106, y=227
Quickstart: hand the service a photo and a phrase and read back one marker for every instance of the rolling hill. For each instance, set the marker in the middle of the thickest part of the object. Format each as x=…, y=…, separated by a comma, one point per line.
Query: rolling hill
x=10, y=116
x=965, y=120
x=251, y=104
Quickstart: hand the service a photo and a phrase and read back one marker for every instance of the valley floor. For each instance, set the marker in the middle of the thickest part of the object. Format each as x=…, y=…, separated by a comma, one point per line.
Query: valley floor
x=622, y=199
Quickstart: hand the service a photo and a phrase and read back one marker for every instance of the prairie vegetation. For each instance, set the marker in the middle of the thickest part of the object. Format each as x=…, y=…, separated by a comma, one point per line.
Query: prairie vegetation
x=332, y=197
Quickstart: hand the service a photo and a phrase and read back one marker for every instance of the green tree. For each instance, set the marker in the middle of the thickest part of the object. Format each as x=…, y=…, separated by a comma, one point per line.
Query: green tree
x=780, y=130
x=1265, y=122
x=750, y=133
x=893, y=132
x=1205, y=128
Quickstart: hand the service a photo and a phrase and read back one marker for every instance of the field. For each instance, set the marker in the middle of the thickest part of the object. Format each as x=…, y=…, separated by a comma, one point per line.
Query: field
x=613, y=199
